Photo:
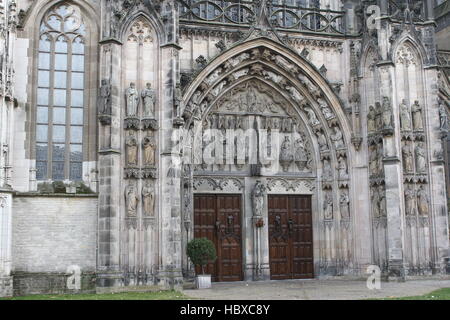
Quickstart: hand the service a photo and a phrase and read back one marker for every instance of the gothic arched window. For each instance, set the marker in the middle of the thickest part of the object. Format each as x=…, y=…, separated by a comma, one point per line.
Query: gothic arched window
x=60, y=94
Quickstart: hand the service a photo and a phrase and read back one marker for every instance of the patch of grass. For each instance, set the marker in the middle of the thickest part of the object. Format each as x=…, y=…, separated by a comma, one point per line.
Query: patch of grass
x=159, y=295
x=441, y=294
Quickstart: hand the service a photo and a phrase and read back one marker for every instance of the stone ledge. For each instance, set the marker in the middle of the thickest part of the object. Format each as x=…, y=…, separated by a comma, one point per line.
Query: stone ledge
x=53, y=195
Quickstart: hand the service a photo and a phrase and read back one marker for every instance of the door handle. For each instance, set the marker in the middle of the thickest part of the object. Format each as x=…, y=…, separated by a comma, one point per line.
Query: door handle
x=290, y=226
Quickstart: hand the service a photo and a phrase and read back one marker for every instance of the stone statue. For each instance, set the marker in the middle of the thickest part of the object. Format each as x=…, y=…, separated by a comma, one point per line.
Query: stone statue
x=416, y=110
x=375, y=203
x=373, y=161
x=148, y=199
x=378, y=116
x=322, y=141
x=443, y=116
x=104, y=106
x=382, y=203
x=387, y=116
x=286, y=154
x=342, y=168
x=327, y=174
x=344, y=206
x=178, y=97
x=258, y=194
x=328, y=206
x=131, y=150
x=407, y=155
x=132, y=97
x=149, y=97
x=380, y=158
x=422, y=201
x=337, y=138
x=421, y=165
x=371, y=120
x=311, y=116
x=187, y=204
x=326, y=111
x=131, y=200
x=405, y=117
x=149, y=146
x=300, y=155
x=409, y=201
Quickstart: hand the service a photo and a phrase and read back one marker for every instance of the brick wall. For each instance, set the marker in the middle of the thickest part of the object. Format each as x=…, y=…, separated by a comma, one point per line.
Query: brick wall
x=52, y=233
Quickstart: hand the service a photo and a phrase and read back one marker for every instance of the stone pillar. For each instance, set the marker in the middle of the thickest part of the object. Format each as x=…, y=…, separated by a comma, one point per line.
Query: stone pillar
x=110, y=195
x=6, y=280
x=170, y=221
x=439, y=225
x=392, y=177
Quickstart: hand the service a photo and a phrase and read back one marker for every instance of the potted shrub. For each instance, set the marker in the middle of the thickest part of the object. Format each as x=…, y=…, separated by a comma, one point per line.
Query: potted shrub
x=201, y=251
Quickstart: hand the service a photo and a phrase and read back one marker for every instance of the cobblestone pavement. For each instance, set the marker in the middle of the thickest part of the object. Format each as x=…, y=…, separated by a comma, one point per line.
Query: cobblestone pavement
x=315, y=290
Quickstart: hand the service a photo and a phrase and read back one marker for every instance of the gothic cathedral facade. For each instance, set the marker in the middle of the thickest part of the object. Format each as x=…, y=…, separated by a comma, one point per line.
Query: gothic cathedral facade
x=305, y=138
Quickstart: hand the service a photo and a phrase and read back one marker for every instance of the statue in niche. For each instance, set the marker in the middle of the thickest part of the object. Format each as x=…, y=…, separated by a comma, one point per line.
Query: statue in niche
x=177, y=99
x=420, y=153
x=131, y=200
x=416, y=110
x=286, y=154
x=148, y=199
x=378, y=116
x=311, y=116
x=422, y=201
x=300, y=155
x=149, y=146
x=322, y=141
x=105, y=98
x=380, y=158
x=387, y=115
x=295, y=95
x=371, y=120
x=131, y=150
x=337, y=138
x=187, y=204
x=405, y=117
x=443, y=116
x=149, y=97
x=407, y=155
x=409, y=201
x=382, y=203
x=342, y=168
x=328, y=206
x=328, y=114
x=375, y=203
x=258, y=194
x=327, y=174
x=373, y=161
x=344, y=206
x=132, y=97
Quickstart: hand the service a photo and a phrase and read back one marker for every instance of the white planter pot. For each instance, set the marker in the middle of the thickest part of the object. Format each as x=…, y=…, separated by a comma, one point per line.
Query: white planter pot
x=203, y=281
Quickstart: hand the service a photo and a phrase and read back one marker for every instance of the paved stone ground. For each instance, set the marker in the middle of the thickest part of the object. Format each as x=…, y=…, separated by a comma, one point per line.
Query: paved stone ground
x=315, y=290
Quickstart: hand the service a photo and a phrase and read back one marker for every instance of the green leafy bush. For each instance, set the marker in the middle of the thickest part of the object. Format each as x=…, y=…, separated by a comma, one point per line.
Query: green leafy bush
x=201, y=251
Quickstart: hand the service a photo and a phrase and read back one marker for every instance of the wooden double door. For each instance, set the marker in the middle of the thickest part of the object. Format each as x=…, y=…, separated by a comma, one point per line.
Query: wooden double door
x=290, y=237
x=218, y=218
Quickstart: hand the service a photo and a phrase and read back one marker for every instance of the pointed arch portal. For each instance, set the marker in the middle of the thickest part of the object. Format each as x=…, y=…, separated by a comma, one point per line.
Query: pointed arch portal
x=259, y=113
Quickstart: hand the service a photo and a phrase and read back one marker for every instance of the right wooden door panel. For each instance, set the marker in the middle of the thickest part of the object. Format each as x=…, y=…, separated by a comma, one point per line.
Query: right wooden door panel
x=290, y=237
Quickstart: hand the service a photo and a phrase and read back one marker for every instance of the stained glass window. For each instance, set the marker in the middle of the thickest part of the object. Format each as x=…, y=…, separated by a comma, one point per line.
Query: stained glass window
x=60, y=94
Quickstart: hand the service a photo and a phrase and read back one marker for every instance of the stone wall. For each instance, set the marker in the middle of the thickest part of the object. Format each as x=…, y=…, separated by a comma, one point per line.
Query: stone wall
x=51, y=234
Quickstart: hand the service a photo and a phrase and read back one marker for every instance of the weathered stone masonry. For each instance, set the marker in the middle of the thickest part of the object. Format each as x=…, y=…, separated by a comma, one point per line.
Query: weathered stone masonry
x=102, y=103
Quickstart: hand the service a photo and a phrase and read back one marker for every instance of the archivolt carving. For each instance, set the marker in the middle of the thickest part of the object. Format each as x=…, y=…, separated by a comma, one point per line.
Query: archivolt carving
x=226, y=184
x=141, y=32
x=290, y=185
